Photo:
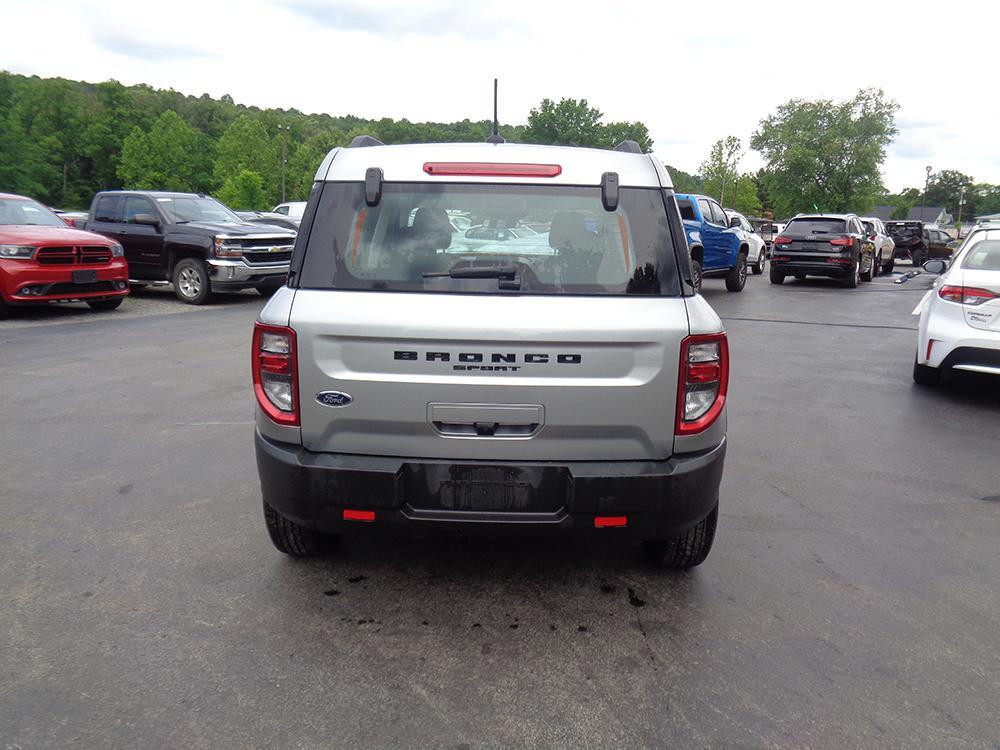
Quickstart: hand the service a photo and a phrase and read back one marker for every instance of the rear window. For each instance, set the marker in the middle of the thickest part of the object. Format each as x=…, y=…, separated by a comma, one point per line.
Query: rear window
x=533, y=239
x=983, y=256
x=802, y=227
x=686, y=209
x=869, y=227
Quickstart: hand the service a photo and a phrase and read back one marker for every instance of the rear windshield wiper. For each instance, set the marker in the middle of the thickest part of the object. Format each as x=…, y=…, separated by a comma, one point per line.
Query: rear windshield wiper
x=506, y=275
x=475, y=272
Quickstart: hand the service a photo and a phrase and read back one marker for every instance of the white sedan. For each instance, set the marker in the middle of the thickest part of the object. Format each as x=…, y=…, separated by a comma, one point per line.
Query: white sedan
x=960, y=315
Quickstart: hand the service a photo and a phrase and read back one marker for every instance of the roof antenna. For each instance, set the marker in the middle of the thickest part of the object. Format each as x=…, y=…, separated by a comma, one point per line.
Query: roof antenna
x=495, y=137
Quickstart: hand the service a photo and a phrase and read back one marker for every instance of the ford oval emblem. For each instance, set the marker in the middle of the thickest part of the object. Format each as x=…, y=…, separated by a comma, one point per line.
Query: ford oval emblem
x=334, y=399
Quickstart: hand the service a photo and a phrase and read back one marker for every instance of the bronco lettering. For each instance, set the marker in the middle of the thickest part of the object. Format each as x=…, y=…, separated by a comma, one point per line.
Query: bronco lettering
x=496, y=358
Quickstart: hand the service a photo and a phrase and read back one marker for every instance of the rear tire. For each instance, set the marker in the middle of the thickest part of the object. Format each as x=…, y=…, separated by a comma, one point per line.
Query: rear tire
x=4, y=309
x=776, y=276
x=851, y=281
x=191, y=282
x=687, y=549
x=106, y=305
x=758, y=267
x=889, y=265
x=295, y=540
x=736, y=279
x=696, y=273
x=869, y=274
x=266, y=291
x=924, y=375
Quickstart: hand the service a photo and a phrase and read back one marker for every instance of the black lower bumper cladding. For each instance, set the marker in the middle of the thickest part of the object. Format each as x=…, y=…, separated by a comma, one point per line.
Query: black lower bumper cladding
x=656, y=498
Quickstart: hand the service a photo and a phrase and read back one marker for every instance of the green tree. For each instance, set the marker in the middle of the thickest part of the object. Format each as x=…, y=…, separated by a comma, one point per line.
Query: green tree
x=823, y=155
x=987, y=200
x=721, y=170
x=684, y=182
x=744, y=198
x=573, y=122
x=171, y=156
x=947, y=187
x=244, y=191
x=246, y=145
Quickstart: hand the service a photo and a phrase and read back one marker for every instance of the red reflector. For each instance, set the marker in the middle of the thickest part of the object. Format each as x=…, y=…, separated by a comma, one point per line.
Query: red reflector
x=359, y=515
x=704, y=372
x=609, y=522
x=930, y=345
x=277, y=363
x=468, y=168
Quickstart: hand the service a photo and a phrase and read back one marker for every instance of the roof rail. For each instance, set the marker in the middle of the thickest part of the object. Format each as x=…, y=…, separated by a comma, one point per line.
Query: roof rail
x=629, y=147
x=362, y=141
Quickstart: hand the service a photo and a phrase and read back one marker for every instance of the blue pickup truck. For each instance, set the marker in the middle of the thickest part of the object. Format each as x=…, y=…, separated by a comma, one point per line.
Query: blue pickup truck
x=718, y=247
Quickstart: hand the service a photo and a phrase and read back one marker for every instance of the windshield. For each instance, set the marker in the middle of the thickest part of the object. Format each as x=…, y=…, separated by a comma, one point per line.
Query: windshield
x=181, y=209
x=529, y=239
x=802, y=227
x=18, y=211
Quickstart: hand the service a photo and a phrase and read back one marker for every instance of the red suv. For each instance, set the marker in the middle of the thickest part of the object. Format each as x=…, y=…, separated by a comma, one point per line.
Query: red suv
x=44, y=260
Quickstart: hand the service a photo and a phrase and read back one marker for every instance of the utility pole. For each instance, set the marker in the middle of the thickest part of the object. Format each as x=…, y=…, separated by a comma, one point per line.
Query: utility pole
x=923, y=199
x=961, y=203
x=283, y=129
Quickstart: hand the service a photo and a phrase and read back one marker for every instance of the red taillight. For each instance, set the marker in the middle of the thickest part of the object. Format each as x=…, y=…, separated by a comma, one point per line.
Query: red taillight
x=610, y=522
x=275, y=378
x=966, y=295
x=468, y=168
x=780, y=240
x=702, y=383
x=842, y=241
x=359, y=515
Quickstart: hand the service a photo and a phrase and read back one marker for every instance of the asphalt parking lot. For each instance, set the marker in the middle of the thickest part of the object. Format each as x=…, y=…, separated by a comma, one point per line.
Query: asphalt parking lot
x=851, y=599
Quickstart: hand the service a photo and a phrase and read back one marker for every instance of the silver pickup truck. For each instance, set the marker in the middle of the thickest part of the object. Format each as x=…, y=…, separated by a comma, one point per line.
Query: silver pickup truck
x=555, y=373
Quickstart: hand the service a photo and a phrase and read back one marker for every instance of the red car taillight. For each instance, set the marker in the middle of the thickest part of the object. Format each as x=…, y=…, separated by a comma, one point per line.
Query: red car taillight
x=275, y=379
x=779, y=240
x=966, y=295
x=702, y=383
x=842, y=241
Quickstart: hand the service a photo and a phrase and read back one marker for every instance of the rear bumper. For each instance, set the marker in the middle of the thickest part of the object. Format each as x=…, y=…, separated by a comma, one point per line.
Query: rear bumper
x=54, y=283
x=659, y=498
x=814, y=268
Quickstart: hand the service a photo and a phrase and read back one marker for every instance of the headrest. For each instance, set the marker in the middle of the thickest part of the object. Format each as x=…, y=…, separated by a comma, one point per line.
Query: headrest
x=569, y=232
x=431, y=229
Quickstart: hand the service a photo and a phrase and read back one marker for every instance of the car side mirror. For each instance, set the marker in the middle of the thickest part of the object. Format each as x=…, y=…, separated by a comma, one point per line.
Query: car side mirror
x=149, y=220
x=935, y=266
x=734, y=223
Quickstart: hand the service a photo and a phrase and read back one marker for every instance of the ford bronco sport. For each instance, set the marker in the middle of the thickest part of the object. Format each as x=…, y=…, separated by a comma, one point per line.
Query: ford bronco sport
x=549, y=369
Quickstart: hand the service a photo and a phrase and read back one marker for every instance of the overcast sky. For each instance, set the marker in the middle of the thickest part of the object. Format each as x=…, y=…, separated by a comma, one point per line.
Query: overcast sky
x=693, y=72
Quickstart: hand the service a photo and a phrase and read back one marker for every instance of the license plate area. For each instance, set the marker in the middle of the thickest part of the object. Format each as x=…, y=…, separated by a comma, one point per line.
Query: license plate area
x=493, y=489
x=84, y=277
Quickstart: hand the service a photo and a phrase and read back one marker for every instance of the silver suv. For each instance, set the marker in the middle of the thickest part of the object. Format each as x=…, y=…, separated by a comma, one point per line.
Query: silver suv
x=491, y=337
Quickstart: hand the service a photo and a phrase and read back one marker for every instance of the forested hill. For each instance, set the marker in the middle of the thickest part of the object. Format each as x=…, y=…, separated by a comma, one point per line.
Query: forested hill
x=62, y=140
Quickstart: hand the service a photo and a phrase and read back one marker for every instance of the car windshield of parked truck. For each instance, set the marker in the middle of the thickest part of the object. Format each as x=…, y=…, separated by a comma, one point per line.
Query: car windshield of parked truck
x=525, y=238
x=184, y=209
x=802, y=227
x=15, y=211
